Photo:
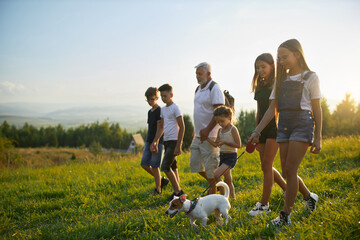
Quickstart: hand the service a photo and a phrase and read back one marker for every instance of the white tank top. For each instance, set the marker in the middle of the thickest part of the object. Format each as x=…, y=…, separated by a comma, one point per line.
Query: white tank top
x=227, y=137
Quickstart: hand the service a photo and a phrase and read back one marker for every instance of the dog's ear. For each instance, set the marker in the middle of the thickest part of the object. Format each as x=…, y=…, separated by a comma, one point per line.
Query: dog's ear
x=183, y=198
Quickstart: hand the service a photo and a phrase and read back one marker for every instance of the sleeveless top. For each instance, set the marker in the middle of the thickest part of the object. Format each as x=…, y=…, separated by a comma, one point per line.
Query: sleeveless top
x=227, y=136
x=262, y=98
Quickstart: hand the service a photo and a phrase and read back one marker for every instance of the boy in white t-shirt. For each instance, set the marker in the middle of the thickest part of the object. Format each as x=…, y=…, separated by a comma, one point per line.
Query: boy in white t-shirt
x=172, y=125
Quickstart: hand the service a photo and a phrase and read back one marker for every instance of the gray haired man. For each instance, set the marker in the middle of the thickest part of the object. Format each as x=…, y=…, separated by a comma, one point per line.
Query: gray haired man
x=204, y=157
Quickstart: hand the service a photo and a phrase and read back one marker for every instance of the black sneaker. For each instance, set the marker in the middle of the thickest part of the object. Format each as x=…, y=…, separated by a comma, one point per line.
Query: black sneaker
x=282, y=220
x=156, y=192
x=180, y=193
x=171, y=197
x=164, y=182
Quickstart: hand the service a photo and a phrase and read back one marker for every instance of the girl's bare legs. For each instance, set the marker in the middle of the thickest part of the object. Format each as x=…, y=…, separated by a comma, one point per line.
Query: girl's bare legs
x=229, y=182
x=267, y=154
x=228, y=178
x=291, y=155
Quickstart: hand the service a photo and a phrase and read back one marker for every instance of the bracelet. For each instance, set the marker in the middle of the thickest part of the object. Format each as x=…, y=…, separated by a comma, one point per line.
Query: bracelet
x=257, y=132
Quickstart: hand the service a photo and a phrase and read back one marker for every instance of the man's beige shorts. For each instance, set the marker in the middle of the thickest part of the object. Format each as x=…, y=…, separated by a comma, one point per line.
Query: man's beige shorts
x=204, y=157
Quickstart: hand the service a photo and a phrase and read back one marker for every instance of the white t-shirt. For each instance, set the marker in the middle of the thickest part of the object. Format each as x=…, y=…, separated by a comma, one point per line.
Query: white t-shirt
x=311, y=89
x=171, y=128
x=204, y=102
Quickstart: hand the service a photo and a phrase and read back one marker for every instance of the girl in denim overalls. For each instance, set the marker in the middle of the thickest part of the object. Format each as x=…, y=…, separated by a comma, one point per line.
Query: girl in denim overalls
x=298, y=102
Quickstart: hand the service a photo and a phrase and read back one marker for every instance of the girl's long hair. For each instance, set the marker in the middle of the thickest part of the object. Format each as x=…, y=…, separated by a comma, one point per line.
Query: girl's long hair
x=294, y=46
x=256, y=84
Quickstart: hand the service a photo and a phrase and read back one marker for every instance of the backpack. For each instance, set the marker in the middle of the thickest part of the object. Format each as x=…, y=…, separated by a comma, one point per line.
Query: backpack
x=229, y=100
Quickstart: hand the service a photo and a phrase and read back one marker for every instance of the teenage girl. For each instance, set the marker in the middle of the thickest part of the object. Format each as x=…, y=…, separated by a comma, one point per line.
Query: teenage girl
x=228, y=139
x=262, y=85
x=297, y=94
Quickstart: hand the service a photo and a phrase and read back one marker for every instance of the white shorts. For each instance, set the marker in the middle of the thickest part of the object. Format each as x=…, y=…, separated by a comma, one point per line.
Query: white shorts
x=204, y=157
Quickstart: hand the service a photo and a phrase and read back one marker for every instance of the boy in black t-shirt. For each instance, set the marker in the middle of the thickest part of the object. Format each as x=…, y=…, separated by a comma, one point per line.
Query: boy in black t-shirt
x=150, y=161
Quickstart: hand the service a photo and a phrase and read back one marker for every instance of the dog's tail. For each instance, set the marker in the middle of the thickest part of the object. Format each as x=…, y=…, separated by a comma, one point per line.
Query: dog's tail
x=223, y=184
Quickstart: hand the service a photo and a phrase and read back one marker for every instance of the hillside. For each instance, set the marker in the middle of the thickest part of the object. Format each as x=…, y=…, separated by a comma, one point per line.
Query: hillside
x=110, y=197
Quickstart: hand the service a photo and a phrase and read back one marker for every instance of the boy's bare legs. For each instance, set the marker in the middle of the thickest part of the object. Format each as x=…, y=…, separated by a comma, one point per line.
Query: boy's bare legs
x=155, y=172
x=157, y=177
x=173, y=179
x=148, y=169
x=176, y=173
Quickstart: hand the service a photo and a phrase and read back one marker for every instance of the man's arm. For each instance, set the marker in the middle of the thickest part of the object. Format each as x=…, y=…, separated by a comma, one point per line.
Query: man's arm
x=204, y=133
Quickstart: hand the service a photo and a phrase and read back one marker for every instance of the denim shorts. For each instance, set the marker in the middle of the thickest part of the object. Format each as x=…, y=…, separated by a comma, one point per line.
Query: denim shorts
x=229, y=159
x=169, y=160
x=149, y=158
x=295, y=126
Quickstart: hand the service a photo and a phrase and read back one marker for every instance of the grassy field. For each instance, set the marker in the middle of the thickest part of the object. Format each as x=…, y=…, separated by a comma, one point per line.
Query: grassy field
x=69, y=194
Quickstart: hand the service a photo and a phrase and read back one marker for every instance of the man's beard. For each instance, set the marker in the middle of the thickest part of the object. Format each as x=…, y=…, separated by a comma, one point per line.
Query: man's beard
x=202, y=82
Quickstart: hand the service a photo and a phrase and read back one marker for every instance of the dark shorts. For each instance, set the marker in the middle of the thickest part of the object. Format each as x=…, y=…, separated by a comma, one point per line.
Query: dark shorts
x=295, y=126
x=169, y=160
x=228, y=159
x=268, y=132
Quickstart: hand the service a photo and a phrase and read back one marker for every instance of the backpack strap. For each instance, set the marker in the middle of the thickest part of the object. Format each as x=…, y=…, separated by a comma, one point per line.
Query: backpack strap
x=210, y=86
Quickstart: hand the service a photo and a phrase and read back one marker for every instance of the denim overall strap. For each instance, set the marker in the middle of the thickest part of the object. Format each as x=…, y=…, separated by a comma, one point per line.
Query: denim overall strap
x=291, y=93
x=290, y=96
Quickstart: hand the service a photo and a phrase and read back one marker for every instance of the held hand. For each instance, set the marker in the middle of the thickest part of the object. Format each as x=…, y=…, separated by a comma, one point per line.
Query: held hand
x=254, y=138
x=177, y=151
x=220, y=143
x=315, y=147
x=154, y=148
x=204, y=134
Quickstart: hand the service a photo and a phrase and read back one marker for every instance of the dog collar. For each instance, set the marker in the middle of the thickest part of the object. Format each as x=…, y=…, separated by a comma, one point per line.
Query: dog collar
x=192, y=205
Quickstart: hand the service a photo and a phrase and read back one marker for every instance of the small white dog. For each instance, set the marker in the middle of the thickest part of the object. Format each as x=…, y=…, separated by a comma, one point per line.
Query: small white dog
x=201, y=208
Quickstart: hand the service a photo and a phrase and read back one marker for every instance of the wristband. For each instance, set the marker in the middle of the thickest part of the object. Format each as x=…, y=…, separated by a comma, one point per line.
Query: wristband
x=257, y=132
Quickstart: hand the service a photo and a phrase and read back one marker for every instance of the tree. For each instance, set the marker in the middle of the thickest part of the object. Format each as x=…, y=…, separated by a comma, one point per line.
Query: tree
x=188, y=134
x=344, y=116
x=246, y=124
x=327, y=121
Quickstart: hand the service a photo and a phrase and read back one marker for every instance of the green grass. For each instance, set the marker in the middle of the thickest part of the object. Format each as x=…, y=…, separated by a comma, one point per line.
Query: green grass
x=112, y=199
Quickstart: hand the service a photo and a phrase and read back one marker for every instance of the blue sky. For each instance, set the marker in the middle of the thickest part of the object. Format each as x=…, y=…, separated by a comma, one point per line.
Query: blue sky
x=108, y=52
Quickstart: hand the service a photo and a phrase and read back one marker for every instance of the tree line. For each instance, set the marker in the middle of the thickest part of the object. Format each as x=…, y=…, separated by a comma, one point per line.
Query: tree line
x=345, y=120
x=108, y=135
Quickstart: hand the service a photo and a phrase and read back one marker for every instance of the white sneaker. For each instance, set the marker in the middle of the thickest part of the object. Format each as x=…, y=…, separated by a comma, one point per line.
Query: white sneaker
x=259, y=209
x=311, y=201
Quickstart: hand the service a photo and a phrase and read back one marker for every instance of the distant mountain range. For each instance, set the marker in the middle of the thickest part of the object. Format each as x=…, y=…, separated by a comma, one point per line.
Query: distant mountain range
x=69, y=115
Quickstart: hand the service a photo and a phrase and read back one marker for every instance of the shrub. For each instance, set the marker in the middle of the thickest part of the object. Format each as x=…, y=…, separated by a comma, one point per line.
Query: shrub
x=95, y=148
